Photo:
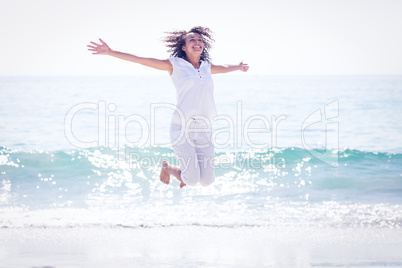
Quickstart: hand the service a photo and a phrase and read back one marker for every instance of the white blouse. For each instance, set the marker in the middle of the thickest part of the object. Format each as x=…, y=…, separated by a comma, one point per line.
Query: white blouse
x=194, y=90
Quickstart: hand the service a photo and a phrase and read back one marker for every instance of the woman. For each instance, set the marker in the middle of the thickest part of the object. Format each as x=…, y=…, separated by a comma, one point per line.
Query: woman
x=190, y=132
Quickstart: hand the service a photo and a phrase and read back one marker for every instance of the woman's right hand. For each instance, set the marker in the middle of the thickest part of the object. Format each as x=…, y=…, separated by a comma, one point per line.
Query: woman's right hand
x=102, y=49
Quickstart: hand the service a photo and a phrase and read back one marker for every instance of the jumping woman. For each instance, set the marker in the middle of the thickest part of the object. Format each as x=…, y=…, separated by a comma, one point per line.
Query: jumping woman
x=190, y=69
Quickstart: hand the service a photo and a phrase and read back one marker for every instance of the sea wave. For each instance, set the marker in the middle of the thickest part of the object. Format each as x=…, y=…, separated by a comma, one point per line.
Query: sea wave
x=283, y=182
x=280, y=214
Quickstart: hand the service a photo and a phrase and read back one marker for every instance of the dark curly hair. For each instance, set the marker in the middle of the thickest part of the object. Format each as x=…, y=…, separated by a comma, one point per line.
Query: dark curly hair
x=176, y=39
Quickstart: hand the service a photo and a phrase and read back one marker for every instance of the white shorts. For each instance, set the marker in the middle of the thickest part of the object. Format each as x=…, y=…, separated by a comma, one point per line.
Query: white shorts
x=195, y=151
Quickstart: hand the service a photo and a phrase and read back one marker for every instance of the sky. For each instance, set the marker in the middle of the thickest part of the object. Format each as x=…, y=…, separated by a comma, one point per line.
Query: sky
x=284, y=37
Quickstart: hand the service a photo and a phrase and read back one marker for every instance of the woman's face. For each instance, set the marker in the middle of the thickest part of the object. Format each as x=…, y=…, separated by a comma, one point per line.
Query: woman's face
x=194, y=44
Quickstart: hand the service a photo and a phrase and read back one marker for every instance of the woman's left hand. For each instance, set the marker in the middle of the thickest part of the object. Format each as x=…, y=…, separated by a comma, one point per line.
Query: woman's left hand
x=243, y=67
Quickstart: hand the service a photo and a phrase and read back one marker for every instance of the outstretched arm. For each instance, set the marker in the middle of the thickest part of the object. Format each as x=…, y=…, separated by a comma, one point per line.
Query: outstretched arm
x=103, y=49
x=219, y=69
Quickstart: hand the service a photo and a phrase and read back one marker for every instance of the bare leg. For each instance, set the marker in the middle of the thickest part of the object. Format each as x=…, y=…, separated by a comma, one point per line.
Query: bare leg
x=167, y=170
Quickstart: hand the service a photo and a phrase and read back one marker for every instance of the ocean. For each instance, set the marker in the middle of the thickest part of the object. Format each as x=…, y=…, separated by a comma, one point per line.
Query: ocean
x=308, y=174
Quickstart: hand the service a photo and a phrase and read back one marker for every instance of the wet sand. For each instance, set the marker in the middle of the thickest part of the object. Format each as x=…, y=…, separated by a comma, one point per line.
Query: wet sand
x=199, y=246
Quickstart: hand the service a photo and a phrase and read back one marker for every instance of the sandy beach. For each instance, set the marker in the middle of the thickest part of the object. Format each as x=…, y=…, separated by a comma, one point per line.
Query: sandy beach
x=199, y=246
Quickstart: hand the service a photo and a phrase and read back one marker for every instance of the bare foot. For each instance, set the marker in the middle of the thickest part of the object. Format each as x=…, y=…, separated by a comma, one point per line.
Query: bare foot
x=168, y=170
x=165, y=175
x=175, y=171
